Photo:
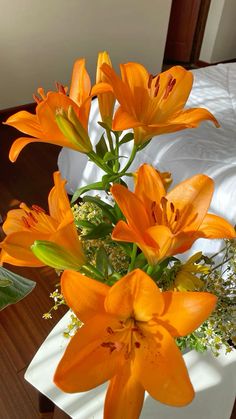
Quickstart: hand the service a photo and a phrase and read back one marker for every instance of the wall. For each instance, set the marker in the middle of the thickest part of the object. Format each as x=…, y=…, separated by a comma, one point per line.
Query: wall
x=219, y=41
x=39, y=40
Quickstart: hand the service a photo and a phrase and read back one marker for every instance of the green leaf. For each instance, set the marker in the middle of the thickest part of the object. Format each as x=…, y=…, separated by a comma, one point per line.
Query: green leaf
x=97, y=186
x=127, y=137
x=17, y=289
x=98, y=232
x=109, y=156
x=5, y=282
x=101, y=147
x=83, y=224
x=102, y=261
x=103, y=125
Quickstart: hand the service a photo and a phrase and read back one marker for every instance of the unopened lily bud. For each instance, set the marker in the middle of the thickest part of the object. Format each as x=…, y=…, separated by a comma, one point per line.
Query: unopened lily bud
x=56, y=256
x=72, y=129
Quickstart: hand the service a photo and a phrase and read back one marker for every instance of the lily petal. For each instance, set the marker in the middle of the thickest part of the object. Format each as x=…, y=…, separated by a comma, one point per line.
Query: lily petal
x=25, y=122
x=131, y=206
x=87, y=363
x=124, y=120
x=191, y=118
x=185, y=311
x=149, y=185
x=136, y=294
x=84, y=295
x=160, y=368
x=192, y=197
x=18, y=247
x=80, y=82
x=57, y=199
x=214, y=226
x=124, y=398
x=19, y=144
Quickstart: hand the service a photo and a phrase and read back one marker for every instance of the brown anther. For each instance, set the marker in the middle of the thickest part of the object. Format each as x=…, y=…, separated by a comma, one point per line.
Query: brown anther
x=110, y=331
x=137, y=344
x=25, y=221
x=37, y=99
x=38, y=209
x=156, y=90
x=60, y=88
x=33, y=218
x=150, y=81
x=164, y=202
x=153, y=206
x=157, y=82
x=177, y=215
x=172, y=207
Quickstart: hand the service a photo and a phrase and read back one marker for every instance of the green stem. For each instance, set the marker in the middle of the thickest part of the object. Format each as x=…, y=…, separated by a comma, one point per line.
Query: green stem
x=99, y=162
x=109, y=137
x=150, y=270
x=131, y=159
x=133, y=258
x=221, y=264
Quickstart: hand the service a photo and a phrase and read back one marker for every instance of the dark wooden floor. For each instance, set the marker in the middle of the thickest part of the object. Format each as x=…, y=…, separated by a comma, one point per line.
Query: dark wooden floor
x=22, y=329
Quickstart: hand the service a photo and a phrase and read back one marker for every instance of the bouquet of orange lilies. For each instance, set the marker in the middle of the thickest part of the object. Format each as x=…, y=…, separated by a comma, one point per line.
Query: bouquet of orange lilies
x=136, y=303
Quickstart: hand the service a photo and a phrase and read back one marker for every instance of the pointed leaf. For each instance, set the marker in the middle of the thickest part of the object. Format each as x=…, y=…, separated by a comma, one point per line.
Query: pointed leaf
x=100, y=231
x=127, y=137
x=17, y=289
x=102, y=261
x=101, y=147
x=98, y=186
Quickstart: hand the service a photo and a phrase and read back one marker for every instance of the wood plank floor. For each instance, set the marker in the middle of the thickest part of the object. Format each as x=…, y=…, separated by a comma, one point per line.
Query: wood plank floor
x=22, y=329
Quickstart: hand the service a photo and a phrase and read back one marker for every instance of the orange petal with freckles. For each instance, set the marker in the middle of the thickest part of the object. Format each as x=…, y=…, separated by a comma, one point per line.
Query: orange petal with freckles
x=87, y=363
x=149, y=185
x=186, y=311
x=214, y=226
x=124, y=397
x=84, y=295
x=136, y=294
x=192, y=197
x=13, y=222
x=160, y=368
x=176, y=100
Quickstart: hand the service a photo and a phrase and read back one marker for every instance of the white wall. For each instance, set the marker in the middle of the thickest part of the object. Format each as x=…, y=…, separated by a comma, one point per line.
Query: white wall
x=219, y=41
x=40, y=39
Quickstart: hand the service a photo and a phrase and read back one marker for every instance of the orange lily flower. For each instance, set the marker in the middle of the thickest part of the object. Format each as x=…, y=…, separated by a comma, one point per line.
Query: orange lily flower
x=43, y=127
x=164, y=224
x=106, y=100
x=25, y=225
x=128, y=338
x=153, y=105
